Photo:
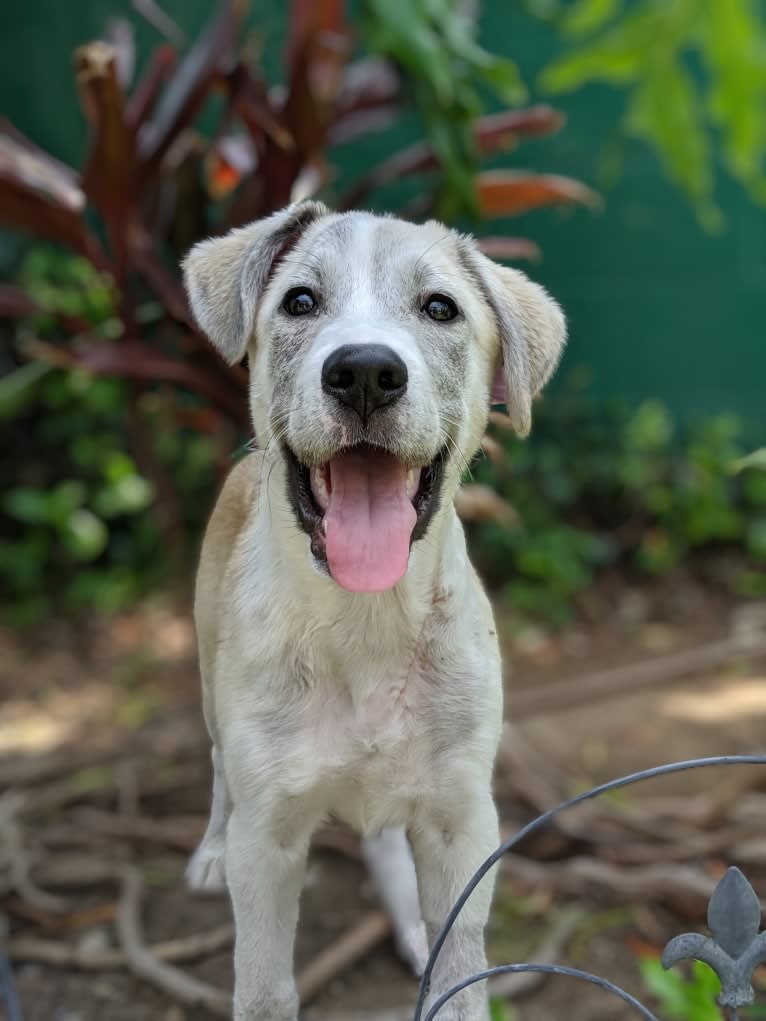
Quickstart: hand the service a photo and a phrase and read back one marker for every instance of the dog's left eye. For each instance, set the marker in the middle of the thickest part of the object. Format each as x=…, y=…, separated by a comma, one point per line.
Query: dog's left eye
x=440, y=307
x=299, y=301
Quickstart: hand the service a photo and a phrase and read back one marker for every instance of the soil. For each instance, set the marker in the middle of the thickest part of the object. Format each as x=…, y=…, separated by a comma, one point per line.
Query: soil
x=126, y=690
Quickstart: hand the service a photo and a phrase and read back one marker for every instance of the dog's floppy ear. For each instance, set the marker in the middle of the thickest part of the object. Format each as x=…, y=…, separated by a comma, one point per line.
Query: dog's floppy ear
x=532, y=332
x=226, y=276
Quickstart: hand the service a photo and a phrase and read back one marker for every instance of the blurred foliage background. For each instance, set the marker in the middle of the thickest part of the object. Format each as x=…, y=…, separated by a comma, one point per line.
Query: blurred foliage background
x=644, y=214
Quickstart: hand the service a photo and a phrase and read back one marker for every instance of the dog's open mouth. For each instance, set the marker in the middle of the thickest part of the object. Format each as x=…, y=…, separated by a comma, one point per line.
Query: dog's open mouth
x=363, y=509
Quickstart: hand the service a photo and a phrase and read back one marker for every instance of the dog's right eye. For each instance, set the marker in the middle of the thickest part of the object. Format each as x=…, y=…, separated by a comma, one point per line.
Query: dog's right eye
x=299, y=301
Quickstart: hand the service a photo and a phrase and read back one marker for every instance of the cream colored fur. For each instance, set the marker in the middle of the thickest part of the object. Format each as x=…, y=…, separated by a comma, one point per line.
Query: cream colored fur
x=383, y=711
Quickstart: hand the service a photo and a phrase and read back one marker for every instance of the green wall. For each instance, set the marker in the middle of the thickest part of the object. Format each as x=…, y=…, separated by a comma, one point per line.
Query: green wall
x=656, y=307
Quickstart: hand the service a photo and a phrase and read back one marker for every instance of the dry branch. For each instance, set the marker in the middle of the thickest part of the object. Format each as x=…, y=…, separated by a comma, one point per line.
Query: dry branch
x=340, y=955
x=187, y=948
x=181, y=987
x=633, y=677
x=680, y=885
x=180, y=832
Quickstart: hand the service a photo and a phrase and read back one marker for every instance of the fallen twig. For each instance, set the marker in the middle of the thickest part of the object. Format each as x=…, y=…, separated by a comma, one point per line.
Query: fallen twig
x=53, y=952
x=180, y=832
x=340, y=955
x=646, y=673
x=15, y=862
x=665, y=884
x=140, y=959
x=391, y=1014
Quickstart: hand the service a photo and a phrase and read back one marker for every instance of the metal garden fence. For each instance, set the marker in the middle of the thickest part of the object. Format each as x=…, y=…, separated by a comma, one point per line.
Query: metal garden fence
x=733, y=950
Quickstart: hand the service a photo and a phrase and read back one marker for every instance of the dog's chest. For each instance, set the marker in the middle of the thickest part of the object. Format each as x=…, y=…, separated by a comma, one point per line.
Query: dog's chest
x=361, y=759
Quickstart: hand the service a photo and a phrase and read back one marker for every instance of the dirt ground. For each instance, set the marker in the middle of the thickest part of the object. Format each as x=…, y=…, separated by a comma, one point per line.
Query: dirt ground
x=104, y=763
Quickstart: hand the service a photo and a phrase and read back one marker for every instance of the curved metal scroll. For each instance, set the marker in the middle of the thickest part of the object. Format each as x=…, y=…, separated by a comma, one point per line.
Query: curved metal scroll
x=733, y=951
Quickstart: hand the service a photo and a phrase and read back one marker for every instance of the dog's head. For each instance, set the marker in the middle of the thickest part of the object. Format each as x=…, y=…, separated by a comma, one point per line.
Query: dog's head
x=373, y=346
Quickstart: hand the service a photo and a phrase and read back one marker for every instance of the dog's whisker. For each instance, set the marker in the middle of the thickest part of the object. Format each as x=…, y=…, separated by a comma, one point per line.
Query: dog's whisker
x=430, y=248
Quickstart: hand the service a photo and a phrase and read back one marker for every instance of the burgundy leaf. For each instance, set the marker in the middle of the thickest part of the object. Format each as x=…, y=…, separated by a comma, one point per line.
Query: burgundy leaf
x=368, y=84
x=532, y=121
x=120, y=36
x=132, y=359
x=509, y=248
x=307, y=18
x=499, y=392
x=166, y=285
x=109, y=176
x=317, y=76
x=188, y=87
x=40, y=195
x=16, y=303
x=479, y=502
x=160, y=20
x=362, y=122
x=251, y=102
x=494, y=133
x=144, y=95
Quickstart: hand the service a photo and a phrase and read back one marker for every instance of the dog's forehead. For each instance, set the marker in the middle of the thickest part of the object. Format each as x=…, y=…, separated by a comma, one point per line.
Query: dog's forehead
x=379, y=247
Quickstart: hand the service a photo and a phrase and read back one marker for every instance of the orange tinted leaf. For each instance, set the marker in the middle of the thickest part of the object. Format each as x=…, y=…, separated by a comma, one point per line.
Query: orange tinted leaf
x=510, y=192
x=534, y=121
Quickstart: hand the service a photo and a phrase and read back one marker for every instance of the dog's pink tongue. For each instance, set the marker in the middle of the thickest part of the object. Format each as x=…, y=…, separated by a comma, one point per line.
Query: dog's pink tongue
x=369, y=520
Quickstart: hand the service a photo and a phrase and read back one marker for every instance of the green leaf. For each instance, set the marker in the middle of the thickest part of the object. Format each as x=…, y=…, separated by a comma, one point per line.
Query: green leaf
x=665, y=111
x=588, y=16
x=19, y=387
x=126, y=495
x=681, y=999
x=32, y=506
x=755, y=460
x=733, y=40
x=85, y=535
x=651, y=50
x=755, y=538
x=500, y=1011
x=63, y=500
x=615, y=57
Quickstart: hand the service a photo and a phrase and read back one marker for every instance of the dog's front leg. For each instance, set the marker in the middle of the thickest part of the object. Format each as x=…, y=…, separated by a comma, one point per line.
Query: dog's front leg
x=265, y=875
x=450, y=839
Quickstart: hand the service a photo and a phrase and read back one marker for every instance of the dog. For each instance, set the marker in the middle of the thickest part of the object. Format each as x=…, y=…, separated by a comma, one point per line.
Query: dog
x=349, y=661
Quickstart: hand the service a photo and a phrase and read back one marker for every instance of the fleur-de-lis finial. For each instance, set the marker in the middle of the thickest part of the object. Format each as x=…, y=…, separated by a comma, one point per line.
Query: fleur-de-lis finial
x=735, y=948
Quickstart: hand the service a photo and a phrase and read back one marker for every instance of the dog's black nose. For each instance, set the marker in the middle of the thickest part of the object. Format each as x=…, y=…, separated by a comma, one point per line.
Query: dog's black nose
x=364, y=377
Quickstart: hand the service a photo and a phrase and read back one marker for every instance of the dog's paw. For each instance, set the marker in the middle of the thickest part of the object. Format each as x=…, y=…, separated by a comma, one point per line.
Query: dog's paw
x=206, y=871
x=412, y=947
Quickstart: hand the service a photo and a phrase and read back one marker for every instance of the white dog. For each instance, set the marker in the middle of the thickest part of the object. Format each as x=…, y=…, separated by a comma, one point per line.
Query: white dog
x=348, y=654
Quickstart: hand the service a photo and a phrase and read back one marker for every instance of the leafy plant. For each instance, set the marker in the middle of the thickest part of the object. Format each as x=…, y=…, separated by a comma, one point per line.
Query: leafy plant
x=693, y=70
x=692, y=998
x=500, y=1011
x=683, y=999
x=78, y=525
x=604, y=484
x=116, y=467
x=155, y=185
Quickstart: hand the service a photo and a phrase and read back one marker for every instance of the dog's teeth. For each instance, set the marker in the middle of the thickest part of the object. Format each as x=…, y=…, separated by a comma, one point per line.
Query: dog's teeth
x=319, y=487
x=412, y=482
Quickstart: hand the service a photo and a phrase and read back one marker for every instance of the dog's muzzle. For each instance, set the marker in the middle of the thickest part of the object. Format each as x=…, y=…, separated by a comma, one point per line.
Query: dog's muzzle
x=362, y=510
